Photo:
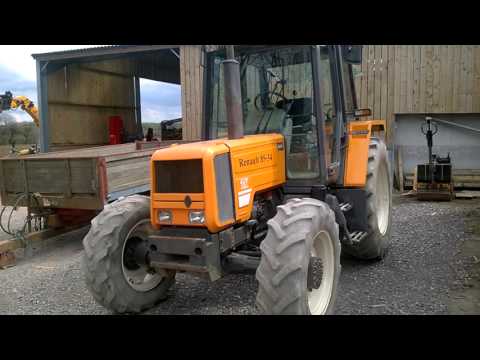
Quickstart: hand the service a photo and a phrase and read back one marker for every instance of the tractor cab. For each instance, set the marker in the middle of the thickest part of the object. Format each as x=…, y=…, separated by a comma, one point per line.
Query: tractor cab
x=279, y=86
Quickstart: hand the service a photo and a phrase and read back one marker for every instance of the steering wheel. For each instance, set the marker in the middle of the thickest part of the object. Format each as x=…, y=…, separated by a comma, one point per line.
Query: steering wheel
x=255, y=103
x=329, y=115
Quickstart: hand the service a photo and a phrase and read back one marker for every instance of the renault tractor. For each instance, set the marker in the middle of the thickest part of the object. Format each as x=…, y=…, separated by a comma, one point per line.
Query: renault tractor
x=289, y=174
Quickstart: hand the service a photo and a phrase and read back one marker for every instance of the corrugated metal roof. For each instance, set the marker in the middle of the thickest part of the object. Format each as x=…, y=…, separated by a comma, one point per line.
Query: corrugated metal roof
x=74, y=51
x=99, y=51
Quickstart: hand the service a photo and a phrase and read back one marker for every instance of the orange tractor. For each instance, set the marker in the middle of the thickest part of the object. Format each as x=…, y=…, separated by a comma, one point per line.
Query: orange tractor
x=287, y=177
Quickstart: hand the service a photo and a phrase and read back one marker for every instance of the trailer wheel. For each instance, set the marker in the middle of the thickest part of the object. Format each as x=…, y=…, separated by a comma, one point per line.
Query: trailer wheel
x=300, y=265
x=112, y=275
x=379, y=206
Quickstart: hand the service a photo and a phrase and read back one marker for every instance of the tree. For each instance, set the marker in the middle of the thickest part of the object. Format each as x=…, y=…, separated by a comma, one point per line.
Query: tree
x=10, y=128
x=27, y=132
x=13, y=133
x=6, y=118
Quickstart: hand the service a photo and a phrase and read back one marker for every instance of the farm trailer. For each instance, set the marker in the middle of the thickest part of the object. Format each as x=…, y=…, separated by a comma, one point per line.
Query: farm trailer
x=64, y=190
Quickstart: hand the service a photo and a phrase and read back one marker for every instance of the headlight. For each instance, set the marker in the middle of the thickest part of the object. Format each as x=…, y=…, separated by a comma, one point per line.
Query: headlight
x=165, y=216
x=196, y=217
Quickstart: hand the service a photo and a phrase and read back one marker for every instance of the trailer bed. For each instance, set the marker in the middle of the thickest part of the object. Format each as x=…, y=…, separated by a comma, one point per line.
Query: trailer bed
x=78, y=179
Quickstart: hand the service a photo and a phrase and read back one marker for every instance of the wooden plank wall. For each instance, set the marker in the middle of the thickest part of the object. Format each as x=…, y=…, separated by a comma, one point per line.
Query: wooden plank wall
x=396, y=79
x=80, y=101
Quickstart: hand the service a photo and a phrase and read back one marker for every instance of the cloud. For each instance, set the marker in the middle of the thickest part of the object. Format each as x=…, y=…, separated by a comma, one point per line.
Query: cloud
x=159, y=114
x=9, y=81
x=160, y=101
x=18, y=58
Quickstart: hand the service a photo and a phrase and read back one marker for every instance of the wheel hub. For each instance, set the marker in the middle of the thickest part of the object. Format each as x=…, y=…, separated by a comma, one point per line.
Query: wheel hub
x=135, y=263
x=321, y=274
x=315, y=273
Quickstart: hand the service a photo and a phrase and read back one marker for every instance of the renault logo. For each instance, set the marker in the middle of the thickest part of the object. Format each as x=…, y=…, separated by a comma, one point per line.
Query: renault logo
x=187, y=201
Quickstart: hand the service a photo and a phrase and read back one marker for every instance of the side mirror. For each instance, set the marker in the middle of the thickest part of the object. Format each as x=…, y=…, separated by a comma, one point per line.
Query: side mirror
x=352, y=54
x=358, y=113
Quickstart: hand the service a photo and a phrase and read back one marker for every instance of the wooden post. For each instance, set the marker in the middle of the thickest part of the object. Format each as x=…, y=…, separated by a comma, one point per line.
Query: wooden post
x=400, y=169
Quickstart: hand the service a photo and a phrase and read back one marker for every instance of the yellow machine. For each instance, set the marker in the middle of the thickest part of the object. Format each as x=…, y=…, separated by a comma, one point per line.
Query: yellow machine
x=288, y=175
x=10, y=102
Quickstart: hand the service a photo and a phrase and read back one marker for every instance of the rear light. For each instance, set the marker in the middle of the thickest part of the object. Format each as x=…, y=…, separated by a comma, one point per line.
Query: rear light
x=196, y=217
x=165, y=216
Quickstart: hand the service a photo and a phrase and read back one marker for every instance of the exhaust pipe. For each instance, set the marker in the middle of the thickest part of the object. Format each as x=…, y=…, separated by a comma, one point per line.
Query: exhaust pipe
x=233, y=95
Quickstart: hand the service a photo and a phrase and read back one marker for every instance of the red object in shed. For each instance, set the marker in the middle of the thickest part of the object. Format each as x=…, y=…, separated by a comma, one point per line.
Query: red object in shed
x=115, y=130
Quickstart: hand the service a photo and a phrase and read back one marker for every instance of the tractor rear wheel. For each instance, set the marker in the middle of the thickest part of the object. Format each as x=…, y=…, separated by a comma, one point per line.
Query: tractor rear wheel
x=379, y=206
x=112, y=275
x=300, y=264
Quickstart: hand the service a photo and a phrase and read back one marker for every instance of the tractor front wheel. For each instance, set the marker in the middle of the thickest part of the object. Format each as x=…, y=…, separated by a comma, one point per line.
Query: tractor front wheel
x=113, y=276
x=300, y=265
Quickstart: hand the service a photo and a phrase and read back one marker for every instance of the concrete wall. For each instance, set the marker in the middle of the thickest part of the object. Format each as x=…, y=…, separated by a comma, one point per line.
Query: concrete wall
x=462, y=144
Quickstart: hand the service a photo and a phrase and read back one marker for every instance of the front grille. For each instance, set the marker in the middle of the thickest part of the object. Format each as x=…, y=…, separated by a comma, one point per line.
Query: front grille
x=179, y=176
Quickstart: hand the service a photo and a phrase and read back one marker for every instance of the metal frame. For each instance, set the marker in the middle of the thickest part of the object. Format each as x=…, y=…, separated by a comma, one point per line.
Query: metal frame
x=100, y=52
x=319, y=115
x=138, y=107
x=205, y=63
x=340, y=131
x=42, y=97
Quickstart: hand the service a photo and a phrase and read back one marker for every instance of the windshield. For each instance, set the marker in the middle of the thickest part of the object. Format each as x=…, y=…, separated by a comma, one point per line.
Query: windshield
x=271, y=81
x=277, y=97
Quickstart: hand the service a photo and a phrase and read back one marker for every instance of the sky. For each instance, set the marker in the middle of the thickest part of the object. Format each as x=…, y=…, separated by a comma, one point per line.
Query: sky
x=159, y=101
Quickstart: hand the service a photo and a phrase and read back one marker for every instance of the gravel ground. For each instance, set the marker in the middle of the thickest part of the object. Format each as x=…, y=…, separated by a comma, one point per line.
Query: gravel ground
x=423, y=268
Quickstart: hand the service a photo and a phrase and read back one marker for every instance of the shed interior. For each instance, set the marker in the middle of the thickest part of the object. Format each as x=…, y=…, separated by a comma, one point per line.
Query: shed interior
x=79, y=94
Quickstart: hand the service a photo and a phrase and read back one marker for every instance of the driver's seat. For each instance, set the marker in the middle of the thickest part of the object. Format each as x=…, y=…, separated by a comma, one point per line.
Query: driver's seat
x=275, y=125
x=281, y=123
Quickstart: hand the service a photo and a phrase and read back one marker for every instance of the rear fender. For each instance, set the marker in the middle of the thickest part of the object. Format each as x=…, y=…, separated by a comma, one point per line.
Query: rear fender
x=359, y=135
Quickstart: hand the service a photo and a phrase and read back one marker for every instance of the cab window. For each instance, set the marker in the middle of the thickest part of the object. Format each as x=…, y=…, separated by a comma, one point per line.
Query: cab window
x=347, y=79
x=277, y=97
x=328, y=102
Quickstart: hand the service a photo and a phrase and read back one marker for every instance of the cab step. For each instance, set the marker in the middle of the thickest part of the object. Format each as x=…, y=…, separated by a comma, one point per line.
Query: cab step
x=358, y=236
x=346, y=207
